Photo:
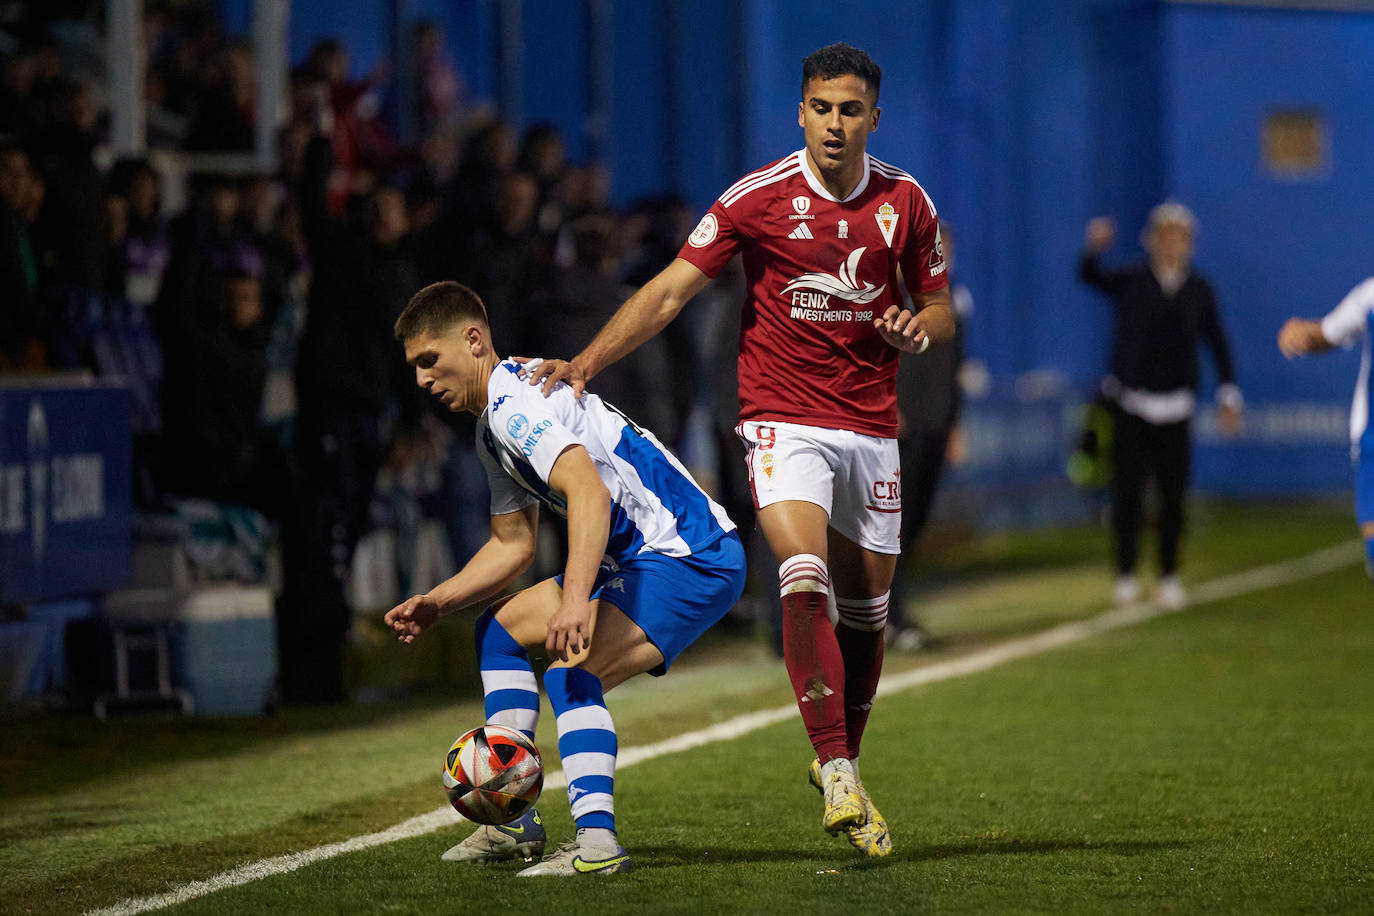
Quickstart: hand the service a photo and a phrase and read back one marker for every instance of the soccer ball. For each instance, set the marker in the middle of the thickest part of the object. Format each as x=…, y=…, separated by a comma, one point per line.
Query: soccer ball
x=493, y=774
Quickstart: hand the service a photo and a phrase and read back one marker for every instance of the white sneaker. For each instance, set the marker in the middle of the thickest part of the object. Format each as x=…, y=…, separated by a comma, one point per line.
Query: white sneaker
x=1127, y=590
x=523, y=838
x=579, y=857
x=1169, y=594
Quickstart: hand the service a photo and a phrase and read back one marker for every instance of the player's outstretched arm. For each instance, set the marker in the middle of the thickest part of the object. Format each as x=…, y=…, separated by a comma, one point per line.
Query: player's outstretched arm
x=1301, y=336
x=932, y=323
x=505, y=555
x=589, y=525
x=643, y=315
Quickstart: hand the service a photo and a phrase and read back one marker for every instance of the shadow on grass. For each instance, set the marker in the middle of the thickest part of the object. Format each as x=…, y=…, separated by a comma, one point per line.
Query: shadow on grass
x=843, y=859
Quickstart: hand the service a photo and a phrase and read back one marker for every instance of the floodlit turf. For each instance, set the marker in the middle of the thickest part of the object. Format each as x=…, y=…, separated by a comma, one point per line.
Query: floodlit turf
x=1217, y=760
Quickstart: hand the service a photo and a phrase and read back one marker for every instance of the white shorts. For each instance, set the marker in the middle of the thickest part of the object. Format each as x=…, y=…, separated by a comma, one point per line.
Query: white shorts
x=855, y=478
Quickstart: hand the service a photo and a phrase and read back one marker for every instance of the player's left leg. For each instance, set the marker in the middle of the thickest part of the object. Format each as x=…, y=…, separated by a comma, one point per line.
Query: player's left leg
x=645, y=613
x=587, y=742
x=1171, y=450
x=510, y=698
x=863, y=543
x=862, y=578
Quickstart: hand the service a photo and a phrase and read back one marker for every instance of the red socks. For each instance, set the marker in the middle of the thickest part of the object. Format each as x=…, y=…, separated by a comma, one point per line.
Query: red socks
x=859, y=634
x=812, y=653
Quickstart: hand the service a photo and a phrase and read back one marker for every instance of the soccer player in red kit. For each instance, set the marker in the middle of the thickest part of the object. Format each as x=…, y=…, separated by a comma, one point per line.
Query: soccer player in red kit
x=824, y=233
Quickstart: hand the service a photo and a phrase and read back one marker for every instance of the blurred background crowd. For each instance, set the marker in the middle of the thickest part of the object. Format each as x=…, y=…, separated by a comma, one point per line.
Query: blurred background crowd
x=253, y=319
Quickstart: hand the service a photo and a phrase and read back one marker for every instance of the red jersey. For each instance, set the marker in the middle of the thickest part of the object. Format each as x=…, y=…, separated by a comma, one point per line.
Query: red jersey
x=819, y=270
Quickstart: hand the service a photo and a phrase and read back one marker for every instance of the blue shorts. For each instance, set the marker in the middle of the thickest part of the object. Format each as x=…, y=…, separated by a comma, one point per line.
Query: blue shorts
x=675, y=599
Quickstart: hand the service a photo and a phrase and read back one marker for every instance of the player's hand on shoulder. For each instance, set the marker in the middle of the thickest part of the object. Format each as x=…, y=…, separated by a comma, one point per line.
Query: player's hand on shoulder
x=549, y=372
x=412, y=617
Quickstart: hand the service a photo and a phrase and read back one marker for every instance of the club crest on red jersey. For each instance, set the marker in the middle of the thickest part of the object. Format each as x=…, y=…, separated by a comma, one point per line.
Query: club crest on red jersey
x=887, y=221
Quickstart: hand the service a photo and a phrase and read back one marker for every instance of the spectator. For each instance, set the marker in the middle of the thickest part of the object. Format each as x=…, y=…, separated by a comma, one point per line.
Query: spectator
x=20, y=304
x=207, y=240
x=215, y=447
x=223, y=117
x=500, y=261
x=145, y=246
x=1164, y=310
x=348, y=371
x=70, y=224
x=541, y=156
x=435, y=85
x=23, y=113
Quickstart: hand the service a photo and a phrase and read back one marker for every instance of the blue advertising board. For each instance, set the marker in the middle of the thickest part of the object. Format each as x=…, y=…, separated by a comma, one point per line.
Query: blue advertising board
x=66, y=502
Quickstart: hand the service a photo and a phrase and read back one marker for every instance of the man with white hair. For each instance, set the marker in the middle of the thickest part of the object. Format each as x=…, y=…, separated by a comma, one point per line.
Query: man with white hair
x=1164, y=310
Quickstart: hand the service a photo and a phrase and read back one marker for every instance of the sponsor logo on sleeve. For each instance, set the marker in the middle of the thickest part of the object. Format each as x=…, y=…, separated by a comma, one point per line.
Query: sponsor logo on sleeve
x=517, y=426
x=937, y=255
x=535, y=434
x=705, y=232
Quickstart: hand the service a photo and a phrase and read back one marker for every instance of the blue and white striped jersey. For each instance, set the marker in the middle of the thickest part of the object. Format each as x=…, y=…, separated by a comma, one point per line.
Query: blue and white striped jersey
x=1344, y=326
x=655, y=504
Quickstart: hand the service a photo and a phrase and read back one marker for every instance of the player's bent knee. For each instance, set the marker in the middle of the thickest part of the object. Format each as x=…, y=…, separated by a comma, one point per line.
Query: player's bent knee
x=525, y=615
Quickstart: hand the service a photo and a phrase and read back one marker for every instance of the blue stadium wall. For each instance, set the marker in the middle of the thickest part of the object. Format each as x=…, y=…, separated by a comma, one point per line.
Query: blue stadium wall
x=1022, y=118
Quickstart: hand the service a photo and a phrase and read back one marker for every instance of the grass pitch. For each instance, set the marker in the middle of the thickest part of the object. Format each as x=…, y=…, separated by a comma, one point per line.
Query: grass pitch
x=1217, y=760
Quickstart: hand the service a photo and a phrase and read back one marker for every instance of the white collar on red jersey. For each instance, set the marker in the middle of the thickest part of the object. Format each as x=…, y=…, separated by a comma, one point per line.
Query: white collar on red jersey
x=819, y=188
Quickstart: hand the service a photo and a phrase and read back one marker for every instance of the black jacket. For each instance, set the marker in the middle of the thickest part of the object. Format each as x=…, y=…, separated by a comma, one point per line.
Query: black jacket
x=1157, y=335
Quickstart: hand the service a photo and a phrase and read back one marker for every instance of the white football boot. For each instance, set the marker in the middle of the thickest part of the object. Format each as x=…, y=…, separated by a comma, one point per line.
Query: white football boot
x=523, y=838
x=585, y=854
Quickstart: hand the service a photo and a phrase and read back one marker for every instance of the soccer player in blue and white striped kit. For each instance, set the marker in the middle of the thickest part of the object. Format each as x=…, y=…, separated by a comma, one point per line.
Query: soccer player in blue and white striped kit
x=652, y=563
x=1344, y=326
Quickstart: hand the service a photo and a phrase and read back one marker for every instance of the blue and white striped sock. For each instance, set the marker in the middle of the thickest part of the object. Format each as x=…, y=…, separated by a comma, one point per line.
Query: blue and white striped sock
x=587, y=744
x=511, y=695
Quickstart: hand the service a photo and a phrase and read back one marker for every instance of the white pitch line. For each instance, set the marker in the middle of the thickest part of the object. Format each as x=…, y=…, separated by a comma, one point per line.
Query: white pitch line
x=1252, y=580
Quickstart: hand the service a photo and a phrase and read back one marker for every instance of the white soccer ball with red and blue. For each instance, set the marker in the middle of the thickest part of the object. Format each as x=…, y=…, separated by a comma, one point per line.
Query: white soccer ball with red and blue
x=493, y=774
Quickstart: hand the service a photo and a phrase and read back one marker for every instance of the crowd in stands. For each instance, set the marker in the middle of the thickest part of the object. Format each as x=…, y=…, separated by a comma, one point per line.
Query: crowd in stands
x=254, y=324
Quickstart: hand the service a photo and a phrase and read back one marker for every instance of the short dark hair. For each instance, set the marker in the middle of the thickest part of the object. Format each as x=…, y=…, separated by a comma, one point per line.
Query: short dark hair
x=438, y=307
x=841, y=59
